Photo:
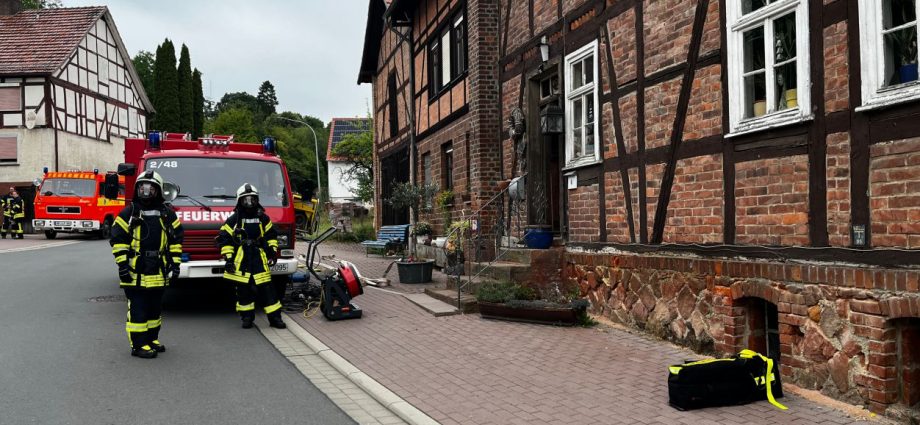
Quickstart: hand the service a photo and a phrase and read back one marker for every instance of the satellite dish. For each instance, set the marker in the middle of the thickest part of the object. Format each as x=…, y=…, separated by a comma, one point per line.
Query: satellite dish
x=31, y=117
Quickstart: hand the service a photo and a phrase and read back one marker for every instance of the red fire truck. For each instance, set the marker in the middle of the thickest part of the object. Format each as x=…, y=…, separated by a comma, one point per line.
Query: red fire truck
x=73, y=202
x=203, y=176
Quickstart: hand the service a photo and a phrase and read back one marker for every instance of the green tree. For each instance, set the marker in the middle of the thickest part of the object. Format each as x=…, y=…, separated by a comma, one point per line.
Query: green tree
x=166, y=87
x=236, y=121
x=267, y=98
x=239, y=100
x=143, y=63
x=296, y=146
x=186, y=94
x=41, y=4
x=358, y=150
x=197, y=104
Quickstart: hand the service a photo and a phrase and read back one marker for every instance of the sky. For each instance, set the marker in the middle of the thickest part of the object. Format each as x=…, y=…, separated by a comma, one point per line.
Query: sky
x=309, y=49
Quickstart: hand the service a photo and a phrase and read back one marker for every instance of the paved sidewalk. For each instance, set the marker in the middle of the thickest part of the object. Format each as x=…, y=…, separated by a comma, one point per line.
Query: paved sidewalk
x=466, y=370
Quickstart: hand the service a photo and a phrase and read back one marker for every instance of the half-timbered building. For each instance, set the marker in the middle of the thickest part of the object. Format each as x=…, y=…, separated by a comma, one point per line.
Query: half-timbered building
x=69, y=94
x=725, y=175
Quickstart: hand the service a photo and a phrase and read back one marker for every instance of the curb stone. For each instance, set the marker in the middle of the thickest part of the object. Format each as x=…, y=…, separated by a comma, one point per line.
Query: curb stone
x=384, y=396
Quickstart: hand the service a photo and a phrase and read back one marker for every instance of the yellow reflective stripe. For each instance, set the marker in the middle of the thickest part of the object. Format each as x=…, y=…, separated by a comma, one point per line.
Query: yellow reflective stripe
x=156, y=323
x=267, y=227
x=121, y=222
x=272, y=308
x=136, y=327
x=226, y=249
x=120, y=245
x=226, y=228
x=121, y=258
x=177, y=260
x=674, y=369
x=247, y=307
x=175, y=248
x=176, y=224
x=263, y=277
x=273, y=243
x=236, y=278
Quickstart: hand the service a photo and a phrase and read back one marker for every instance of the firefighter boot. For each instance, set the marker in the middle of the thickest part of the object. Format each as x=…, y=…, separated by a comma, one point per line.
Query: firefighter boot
x=274, y=320
x=247, y=319
x=144, y=352
x=159, y=348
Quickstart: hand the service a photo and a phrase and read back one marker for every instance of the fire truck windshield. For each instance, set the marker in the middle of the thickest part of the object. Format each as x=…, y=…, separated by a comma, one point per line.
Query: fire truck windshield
x=214, y=181
x=83, y=188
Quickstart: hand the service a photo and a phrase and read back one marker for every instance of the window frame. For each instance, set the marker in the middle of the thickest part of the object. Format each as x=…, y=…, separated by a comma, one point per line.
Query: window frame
x=447, y=166
x=20, y=90
x=872, y=61
x=6, y=162
x=443, y=57
x=736, y=25
x=569, y=98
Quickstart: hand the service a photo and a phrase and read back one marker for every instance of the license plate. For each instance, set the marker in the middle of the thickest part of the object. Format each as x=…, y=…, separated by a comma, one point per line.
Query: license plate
x=61, y=223
x=279, y=268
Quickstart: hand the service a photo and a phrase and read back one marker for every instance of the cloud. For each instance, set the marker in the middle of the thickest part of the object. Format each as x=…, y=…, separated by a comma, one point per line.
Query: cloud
x=309, y=49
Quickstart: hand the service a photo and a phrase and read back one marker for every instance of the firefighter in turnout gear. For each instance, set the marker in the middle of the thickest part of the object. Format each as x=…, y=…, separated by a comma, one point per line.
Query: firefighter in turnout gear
x=248, y=242
x=14, y=212
x=147, y=244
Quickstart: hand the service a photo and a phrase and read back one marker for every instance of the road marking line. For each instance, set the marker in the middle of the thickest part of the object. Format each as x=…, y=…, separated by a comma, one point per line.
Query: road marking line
x=36, y=247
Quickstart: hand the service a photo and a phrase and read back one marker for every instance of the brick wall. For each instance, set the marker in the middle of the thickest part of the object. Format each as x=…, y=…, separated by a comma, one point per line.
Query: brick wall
x=668, y=28
x=704, y=113
x=623, y=38
x=838, y=189
x=545, y=13
x=583, y=214
x=894, y=185
x=653, y=175
x=660, y=110
x=615, y=204
x=836, y=71
x=842, y=330
x=771, y=201
x=695, y=210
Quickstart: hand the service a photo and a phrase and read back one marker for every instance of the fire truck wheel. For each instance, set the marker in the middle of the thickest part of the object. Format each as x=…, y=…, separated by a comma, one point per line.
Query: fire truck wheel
x=50, y=234
x=300, y=221
x=105, y=232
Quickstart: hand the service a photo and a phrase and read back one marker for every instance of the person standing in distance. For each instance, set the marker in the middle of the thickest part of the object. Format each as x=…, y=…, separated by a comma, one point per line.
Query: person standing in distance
x=147, y=244
x=248, y=242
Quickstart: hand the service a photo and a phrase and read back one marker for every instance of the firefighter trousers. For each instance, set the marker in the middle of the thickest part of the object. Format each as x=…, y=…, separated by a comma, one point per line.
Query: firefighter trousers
x=246, y=296
x=11, y=226
x=145, y=307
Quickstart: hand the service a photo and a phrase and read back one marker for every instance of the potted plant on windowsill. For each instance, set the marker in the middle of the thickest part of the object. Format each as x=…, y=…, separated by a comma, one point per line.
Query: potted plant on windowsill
x=904, y=43
x=408, y=195
x=519, y=303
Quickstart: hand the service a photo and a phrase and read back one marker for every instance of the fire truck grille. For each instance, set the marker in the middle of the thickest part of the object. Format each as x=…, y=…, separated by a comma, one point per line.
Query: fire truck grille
x=64, y=210
x=199, y=242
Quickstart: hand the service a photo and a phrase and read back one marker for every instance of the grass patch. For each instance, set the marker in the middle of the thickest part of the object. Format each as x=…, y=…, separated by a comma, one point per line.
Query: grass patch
x=362, y=229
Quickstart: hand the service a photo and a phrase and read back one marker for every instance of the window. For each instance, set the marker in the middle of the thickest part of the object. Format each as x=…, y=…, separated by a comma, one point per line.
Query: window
x=10, y=98
x=888, y=43
x=447, y=167
x=768, y=64
x=580, y=105
x=8, y=149
x=393, y=109
x=447, y=55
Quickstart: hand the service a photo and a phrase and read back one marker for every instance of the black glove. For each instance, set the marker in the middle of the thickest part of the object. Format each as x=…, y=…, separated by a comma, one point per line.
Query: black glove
x=173, y=272
x=272, y=256
x=124, y=273
x=229, y=267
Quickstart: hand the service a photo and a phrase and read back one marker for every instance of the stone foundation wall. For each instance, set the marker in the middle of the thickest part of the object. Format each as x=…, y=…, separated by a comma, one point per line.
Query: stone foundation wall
x=849, y=332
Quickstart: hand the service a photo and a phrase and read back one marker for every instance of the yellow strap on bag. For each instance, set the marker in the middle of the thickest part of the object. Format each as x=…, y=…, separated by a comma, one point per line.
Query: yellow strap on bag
x=768, y=378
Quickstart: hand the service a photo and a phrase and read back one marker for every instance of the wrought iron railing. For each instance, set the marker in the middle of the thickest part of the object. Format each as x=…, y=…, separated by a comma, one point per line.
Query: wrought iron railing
x=508, y=207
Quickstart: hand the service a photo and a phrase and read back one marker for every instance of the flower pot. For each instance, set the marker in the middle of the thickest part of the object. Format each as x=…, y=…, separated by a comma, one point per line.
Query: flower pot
x=415, y=272
x=538, y=237
x=908, y=73
x=559, y=316
x=760, y=108
x=792, y=100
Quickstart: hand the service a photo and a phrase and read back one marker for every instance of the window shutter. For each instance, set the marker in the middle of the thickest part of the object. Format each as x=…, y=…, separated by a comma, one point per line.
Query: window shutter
x=8, y=149
x=10, y=99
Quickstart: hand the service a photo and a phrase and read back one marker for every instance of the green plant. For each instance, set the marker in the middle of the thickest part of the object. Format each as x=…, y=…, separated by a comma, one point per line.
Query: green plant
x=444, y=199
x=408, y=195
x=503, y=292
x=422, y=228
x=456, y=231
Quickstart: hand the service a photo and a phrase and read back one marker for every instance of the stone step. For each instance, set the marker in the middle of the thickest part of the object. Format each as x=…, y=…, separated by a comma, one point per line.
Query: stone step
x=503, y=271
x=516, y=255
x=433, y=305
x=449, y=296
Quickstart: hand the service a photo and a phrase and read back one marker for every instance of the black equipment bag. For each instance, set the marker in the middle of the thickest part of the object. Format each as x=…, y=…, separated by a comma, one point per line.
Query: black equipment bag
x=748, y=376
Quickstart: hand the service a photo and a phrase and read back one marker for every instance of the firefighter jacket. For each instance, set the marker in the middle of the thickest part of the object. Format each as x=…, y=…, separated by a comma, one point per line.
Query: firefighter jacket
x=149, y=242
x=16, y=208
x=246, y=241
x=5, y=204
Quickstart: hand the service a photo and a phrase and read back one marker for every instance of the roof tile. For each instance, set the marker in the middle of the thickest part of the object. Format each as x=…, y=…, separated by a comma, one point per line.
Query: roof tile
x=41, y=41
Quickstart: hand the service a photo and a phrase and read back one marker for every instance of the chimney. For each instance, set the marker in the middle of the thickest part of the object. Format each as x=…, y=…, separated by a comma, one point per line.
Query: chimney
x=10, y=7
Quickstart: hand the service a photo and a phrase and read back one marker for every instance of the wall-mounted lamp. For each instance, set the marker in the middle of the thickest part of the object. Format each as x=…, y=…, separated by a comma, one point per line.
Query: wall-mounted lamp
x=552, y=120
x=544, y=49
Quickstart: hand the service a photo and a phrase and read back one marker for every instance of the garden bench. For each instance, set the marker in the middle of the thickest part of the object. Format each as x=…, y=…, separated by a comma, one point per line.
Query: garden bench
x=388, y=236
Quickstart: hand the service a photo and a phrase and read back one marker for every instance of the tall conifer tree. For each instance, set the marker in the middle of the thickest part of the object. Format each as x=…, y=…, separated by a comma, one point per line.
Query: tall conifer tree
x=186, y=94
x=166, y=86
x=197, y=104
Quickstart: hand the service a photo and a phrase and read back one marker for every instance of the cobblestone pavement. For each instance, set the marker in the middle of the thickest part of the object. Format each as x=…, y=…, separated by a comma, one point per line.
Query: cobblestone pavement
x=466, y=370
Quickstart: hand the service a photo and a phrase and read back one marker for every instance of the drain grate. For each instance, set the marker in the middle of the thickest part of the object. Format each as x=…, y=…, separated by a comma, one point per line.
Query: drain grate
x=108, y=299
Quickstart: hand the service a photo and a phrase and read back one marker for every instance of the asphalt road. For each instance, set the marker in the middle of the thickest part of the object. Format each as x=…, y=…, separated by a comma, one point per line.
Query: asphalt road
x=65, y=359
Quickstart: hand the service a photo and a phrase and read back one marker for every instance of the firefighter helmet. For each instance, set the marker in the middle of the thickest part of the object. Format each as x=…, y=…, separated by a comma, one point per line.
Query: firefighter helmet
x=247, y=196
x=149, y=186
